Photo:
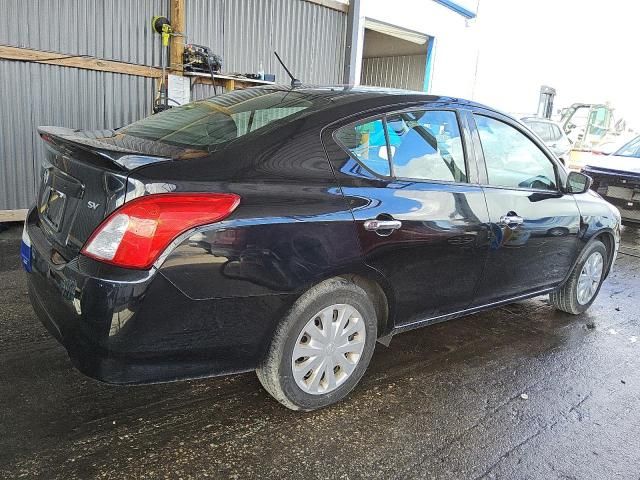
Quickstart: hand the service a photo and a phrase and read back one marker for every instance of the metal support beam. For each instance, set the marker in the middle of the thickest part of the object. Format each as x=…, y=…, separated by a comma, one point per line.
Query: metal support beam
x=428, y=70
x=351, y=57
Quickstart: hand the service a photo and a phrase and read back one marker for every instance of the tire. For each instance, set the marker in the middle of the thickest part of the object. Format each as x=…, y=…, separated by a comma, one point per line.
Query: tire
x=332, y=300
x=566, y=297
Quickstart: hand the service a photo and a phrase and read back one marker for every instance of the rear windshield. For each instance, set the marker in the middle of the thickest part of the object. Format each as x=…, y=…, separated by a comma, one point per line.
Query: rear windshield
x=206, y=124
x=542, y=129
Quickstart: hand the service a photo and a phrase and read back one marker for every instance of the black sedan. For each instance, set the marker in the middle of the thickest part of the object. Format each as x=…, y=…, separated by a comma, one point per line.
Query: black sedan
x=617, y=178
x=287, y=230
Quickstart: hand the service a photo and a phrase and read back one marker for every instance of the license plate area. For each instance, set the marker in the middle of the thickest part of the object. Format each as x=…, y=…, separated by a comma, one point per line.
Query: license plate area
x=55, y=202
x=622, y=193
x=25, y=249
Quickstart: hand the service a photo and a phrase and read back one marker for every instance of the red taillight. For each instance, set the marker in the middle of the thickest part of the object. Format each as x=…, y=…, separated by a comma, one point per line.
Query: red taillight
x=137, y=233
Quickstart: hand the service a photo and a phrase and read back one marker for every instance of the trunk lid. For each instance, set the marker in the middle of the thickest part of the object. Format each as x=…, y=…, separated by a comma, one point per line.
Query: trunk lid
x=83, y=180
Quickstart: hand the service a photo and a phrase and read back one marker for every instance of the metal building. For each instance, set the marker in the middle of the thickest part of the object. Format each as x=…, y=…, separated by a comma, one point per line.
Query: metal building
x=308, y=34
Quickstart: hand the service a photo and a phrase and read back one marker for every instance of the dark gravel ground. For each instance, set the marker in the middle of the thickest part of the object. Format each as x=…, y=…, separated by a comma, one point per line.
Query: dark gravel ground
x=442, y=402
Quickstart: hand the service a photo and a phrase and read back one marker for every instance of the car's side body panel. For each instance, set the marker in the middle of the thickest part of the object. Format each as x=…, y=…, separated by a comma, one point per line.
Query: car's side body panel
x=436, y=258
x=598, y=218
x=292, y=228
x=539, y=253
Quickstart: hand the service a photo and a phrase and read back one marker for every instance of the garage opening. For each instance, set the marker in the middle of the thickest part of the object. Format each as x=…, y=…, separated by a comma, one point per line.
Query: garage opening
x=394, y=57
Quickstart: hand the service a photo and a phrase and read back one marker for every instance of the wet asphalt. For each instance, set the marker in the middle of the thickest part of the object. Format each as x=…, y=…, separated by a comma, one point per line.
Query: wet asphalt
x=521, y=392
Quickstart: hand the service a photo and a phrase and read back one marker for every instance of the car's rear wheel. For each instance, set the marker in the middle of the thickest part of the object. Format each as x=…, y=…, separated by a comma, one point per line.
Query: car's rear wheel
x=583, y=285
x=322, y=347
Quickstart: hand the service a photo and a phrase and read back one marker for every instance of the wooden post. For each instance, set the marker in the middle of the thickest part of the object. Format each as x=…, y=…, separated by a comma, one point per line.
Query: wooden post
x=176, y=46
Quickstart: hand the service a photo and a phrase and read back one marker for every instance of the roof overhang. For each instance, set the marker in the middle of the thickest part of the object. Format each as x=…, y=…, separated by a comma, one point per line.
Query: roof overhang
x=458, y=8
x=395, y=31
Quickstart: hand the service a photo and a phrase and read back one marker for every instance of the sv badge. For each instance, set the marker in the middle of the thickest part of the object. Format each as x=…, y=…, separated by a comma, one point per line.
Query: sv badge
x=92, y=205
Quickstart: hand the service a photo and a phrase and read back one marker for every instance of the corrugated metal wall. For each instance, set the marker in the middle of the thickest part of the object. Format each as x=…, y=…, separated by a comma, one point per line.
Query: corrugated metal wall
x=309, y=37
x=111, y=29
x=33, y=94
x=395, y=72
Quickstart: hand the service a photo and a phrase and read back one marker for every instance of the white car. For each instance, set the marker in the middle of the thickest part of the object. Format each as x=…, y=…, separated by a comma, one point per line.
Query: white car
x=552, y=135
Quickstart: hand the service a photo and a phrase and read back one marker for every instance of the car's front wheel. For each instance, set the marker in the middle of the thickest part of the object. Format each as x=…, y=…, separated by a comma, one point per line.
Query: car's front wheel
x=581, y=288
x=322, y=347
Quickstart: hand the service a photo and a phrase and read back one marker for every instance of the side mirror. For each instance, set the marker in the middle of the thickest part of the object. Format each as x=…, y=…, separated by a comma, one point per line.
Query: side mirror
x=578, y=182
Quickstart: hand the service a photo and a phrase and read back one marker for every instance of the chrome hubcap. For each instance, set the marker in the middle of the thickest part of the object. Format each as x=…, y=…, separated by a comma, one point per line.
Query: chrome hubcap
x=590, y=278
x=328, y=349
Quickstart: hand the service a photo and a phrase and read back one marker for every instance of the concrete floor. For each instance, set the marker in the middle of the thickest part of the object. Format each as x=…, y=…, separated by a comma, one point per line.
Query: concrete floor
x=441, y=402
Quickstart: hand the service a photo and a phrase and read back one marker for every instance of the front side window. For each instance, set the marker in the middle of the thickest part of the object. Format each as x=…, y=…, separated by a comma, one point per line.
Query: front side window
x=368, y=144
x=426, y=145
x=512, y=159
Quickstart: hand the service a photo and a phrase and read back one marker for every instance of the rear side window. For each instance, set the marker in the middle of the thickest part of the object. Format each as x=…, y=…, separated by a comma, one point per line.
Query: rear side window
x=512, y=159
x=368, y=144
x=426, y=145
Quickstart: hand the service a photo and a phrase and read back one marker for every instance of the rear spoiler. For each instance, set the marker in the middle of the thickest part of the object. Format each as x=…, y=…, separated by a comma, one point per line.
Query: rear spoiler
x=126, y=153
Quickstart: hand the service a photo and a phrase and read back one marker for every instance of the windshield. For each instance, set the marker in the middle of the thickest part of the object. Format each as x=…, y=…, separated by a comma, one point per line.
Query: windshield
x=631, y=149
x=205, y=124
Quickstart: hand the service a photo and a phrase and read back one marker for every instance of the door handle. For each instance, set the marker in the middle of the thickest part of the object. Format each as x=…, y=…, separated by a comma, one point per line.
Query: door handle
x=382, y=226
x=511, y=220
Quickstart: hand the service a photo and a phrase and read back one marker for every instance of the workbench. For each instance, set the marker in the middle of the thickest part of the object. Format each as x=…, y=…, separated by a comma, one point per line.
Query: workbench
x=228, y=82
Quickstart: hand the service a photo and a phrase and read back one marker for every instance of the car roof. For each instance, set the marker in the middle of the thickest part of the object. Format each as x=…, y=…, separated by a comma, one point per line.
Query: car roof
x=366, y=92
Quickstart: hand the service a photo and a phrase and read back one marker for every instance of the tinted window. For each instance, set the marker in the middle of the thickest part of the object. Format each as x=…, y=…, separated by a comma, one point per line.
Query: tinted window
x=426, y=145
x=631, y=149
x=512, y=159
x=367, y=143
x=219, y=119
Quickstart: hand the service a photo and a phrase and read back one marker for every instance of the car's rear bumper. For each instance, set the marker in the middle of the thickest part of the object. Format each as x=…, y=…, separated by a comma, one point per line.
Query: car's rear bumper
x=122, y=326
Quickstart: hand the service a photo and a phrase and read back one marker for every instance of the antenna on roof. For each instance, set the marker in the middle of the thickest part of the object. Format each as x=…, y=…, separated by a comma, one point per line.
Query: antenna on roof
x=294, y=81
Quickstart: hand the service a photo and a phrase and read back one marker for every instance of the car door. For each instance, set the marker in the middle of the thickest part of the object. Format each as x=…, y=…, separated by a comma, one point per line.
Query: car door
x=534, y=226
x=421, y=219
